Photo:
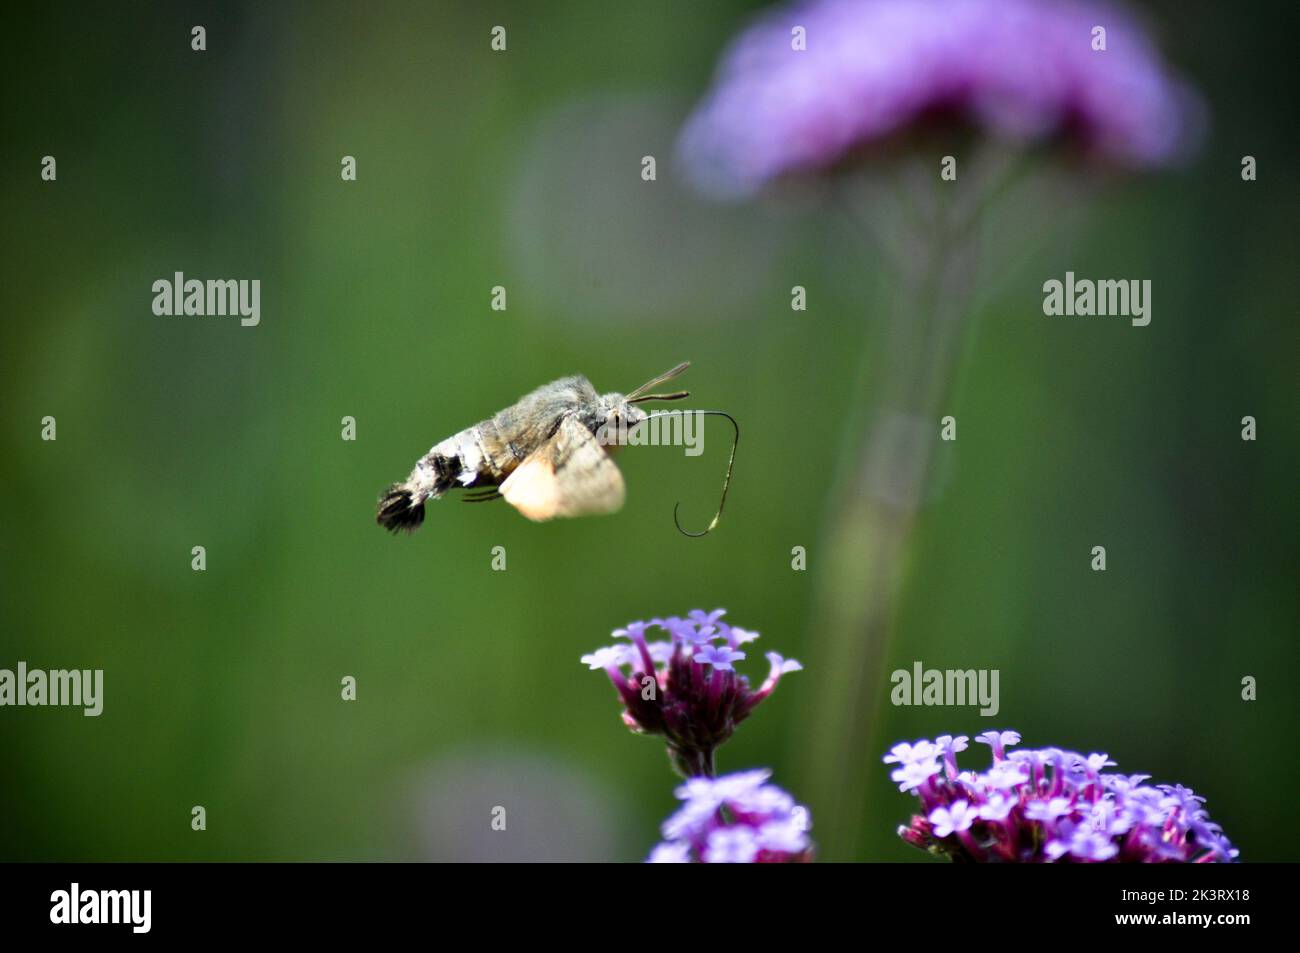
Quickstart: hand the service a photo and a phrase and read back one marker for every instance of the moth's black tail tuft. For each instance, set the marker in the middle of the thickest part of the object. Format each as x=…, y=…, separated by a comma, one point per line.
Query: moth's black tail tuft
x=399, y=509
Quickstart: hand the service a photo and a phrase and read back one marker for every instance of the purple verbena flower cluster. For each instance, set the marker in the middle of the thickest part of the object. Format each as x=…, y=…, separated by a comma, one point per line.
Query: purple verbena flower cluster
x=1045, y=805
x=685, y=687
x=735, y=819
x=1024, y=70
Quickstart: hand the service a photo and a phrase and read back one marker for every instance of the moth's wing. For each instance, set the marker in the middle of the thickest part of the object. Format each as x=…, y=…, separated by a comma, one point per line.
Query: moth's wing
x=568, y=475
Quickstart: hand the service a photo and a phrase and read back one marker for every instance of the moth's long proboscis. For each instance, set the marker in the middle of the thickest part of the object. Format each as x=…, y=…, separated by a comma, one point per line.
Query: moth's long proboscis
x=726, y=482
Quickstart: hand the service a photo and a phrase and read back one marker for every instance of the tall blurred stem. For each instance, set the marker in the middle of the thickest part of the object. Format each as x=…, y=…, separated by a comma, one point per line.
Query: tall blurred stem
x=864, y=552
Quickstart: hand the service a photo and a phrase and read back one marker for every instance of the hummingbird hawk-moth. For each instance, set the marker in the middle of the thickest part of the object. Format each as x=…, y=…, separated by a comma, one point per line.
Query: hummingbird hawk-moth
x=547, y=455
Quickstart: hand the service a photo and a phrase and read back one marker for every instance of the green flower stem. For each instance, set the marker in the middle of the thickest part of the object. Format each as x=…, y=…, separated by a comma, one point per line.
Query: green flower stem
x=864, y=552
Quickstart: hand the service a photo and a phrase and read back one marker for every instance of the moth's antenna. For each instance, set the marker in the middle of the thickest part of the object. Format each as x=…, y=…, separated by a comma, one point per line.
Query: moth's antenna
x=657, y=381
x=726, y=482
x=675, y=395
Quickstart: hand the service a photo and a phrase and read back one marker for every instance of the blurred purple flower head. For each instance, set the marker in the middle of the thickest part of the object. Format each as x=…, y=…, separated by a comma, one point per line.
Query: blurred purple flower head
x=1048, y=805
x=735, y=819
x=686, y=688
x=1022, y=70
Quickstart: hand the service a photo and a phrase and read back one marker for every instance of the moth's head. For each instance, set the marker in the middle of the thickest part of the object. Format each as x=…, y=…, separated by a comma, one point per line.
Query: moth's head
x=612, y=417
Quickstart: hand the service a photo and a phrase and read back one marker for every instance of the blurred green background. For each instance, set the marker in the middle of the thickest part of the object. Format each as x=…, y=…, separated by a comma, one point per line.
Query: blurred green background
x=522, y=169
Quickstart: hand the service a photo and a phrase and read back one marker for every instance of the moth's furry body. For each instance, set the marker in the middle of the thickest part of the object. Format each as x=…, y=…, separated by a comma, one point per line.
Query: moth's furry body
x=541, y=425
